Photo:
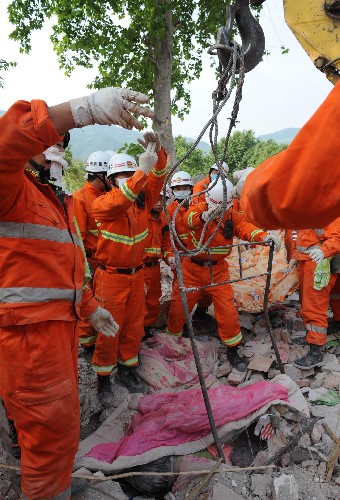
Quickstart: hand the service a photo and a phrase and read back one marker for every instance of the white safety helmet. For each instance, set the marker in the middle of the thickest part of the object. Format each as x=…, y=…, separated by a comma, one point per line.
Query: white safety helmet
x=111, y=152
x=240, y=176
x=97, y=162
x=181, y=178
x=214, y=197
x=224, y=167
x=121, y=162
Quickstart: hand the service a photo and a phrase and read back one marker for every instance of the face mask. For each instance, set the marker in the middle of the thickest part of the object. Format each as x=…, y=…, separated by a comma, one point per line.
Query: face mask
x=181, y=195
x=121, y=181
x=213, y=177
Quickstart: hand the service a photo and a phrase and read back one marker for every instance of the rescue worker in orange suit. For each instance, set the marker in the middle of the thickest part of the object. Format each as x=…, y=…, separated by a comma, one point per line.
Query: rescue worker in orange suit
x=158, y=246
x=83, y=198
x=42, y=291
x=312, y=247
x=196, y=270
x=122, y=216
x=299, y=188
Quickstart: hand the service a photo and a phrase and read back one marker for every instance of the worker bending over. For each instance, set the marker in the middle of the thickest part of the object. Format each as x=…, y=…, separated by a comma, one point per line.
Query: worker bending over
x=42, y=286
x=196, y=270
x=83, y=198
x=122, y=217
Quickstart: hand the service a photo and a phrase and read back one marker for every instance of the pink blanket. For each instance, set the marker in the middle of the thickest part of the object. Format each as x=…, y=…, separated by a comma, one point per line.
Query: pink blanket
x=171, y=419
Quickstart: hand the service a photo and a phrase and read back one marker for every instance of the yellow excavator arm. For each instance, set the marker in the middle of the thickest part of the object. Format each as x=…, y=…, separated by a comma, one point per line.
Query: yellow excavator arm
x=316, y=25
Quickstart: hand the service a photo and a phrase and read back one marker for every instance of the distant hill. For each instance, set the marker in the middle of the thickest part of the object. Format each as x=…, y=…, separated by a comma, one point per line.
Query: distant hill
x=85, y=141
x=284, y=136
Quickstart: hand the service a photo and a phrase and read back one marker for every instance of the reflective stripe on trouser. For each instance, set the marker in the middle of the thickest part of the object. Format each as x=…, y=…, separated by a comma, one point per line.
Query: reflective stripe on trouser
x=123, y=296
x=334, y=301
x=42, y=399
x=314, y=303
x=152, y=280
x=87, y=334
x=222, y=297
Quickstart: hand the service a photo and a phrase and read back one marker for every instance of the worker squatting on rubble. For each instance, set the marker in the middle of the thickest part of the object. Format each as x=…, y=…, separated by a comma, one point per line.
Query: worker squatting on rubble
x=313, y=249
x=196, y=270
x=158, y=246
x=122, y=217
x=83, y=198
x=42, y=286
x=299, y=188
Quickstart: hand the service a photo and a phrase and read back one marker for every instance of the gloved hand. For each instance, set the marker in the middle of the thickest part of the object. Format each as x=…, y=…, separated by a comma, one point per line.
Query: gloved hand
x=211, y=214
x=103, y=322
x=275, y=239
x=148, y=159
x=322, y=274
x=292, y=264
x=110, y=106
x=171, y=263
x=316, y=254
x=150, y=137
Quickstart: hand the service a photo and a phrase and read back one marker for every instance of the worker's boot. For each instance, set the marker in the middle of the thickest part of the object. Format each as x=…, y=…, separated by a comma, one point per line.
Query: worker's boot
x=127, y=377
x=235, y=359
x=333, y=326
x=313, y=358
x=201, y=314
x=105, y=393
x=299, y=339
x=89, y=351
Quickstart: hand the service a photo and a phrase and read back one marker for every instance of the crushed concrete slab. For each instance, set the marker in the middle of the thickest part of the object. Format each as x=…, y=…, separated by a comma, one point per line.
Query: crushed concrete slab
x=236, y=377
x=260, y=485
x=293, y=372
x=330, y=363
x=220, y=491
x=260, y=363
x=103, y=491
x=285, y=488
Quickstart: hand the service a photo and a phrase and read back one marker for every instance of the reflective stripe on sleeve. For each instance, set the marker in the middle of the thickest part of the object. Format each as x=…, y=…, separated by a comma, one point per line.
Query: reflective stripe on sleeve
x=37, y=232
x=125, y=240
x=306, y=249
x=93, y=231
x=159, y=173
x=254, y=233
x=30, y=294
x=153, y=250
x=190, y=219
x=130, y=195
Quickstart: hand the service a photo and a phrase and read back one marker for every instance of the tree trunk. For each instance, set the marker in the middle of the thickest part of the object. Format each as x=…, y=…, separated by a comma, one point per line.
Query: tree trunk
x=162, y=83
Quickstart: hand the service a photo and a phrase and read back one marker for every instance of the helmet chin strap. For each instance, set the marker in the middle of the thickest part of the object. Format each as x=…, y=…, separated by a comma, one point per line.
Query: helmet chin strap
x=106, y=185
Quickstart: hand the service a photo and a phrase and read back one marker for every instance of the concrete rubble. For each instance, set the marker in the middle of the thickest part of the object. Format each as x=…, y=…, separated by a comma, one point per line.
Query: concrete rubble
x=299, y=473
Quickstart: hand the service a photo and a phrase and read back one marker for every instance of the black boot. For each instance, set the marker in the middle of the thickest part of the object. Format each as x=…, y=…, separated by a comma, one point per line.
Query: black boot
x=299, y=340
x=16, y=451
x=333, y=327
x=201, y=314
x=127, y=377
x=147, y=333
x=105, y=393
x=313, y=358
x=235, y=359
x=89, y=351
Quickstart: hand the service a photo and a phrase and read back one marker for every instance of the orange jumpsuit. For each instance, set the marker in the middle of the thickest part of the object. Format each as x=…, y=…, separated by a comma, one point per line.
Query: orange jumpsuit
x=196, y=273
x=42, y=271
x=83, y=200
x=300, y=187
x=314, y=303
x=198, y=187
x=158, y=246
x=119, y=279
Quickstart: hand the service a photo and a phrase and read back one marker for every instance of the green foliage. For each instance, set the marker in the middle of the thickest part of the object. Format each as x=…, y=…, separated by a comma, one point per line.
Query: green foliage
x=4, y=66
x=74, y=174
x=198, y=162
x=132, y=149
x=123, y=36
x=264, y=150
x=240, y=149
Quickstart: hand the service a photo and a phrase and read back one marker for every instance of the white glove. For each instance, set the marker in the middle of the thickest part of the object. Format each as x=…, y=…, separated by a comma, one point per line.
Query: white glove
x=275, y=239
x=110, y=106
x=211, y=214
x=103, y=322
x=171, y=263
x=316, y=255
x=148, y=159
x=292, y=264
x=150, y=137
x=240, y=176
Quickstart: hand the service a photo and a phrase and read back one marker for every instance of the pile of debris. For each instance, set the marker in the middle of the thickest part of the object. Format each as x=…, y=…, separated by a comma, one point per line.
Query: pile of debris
x=287, y=451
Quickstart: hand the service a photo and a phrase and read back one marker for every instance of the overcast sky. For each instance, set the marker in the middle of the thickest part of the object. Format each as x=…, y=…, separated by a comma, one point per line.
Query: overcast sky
x=282, y=91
